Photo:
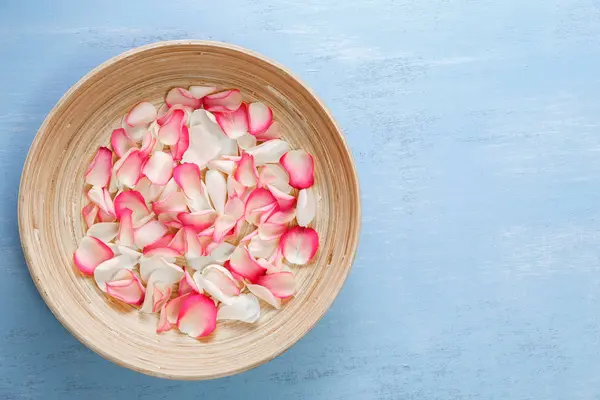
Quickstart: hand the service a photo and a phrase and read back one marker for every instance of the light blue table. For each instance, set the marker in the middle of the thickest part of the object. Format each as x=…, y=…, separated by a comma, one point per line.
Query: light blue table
x=476, y=131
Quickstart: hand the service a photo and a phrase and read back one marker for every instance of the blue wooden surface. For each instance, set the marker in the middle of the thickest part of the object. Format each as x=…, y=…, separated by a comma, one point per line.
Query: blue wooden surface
x=475, y=127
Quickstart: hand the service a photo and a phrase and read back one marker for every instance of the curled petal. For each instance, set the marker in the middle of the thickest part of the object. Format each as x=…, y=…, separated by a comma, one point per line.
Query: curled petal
x=260, y=117
x=90, y=212
x=300, y=167
x=245, y=172
x=234, y=124
x=182, y=97
x=197, y=316
x=299, y=245
x=281, y=284
x=258, y=202
x=108, y=269
x=201, y=91
x=91, y=253
x=120, y=142
x=141, y=115
x=99, y=171
x=244, y=265
x=272, y=132
x=269, y=152
x=126, y=286
x=227, y=101
x=265, y=294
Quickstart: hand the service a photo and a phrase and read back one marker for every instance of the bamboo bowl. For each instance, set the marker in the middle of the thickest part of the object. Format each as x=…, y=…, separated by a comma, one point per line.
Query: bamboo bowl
x=52, y=195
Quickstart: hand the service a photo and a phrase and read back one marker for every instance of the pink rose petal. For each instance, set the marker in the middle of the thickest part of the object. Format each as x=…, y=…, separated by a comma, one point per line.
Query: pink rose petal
x=169, y=132
x=91, y=253
x=264, y=294
x=149, y=233
x=161, y=243
x=260, y=117
x=285, y=201
x=244, y=265
x=193, y=247
x=281, y=284
x=258, y=199
x=234, y=124
x=120, y=142
x=218, y=282
x=129, y=171
x=182, y=144
x=99, y=171
x=126, y=286
x=141, y=115
x=300, y=167
x=201, y=91
x=198, y=221
x=197, y=316
x=227, y=101
x=299, y=245
x=187, y=284
x=90, y=212
x=174, y=203
x=182, y=97
x=269, y=151
x=245, y=172
x=272, y=132
x=159, y=168
x=132, y=200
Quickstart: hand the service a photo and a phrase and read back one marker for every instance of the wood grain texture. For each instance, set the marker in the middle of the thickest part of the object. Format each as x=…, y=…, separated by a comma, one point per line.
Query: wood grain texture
x=474, y=125
x=52, y=194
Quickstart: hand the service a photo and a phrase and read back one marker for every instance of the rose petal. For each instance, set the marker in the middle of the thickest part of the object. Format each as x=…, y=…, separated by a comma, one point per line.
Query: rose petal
x=187, y=284
x=149, y=233
x=227, y=101
x=273, y=132
x=269, y=231
x=299, y=245
x=244, y=307
x=234, y=188
x=260, y=117
x=168, y=315
x=99, y=171
x=197, y=316
x=183, y=97
x=149, y=191
x=105, y=231
x=159, y=168
x=107, y=270
x=174, y=203
x=306, y=207
x=245, y=172
x=149, y=145
x=258, y=199
x=285, y=201
x=217, y=189
x=161, y=295
x=141, y=115
x=234, y=124
x=90, y=212
x=268, y=152
x=217, y=282
x=182, y=144
x=120, y=142
x=204, y=146
x=129, y=170
x=168, y=134
x=193, y=247
x=300, y=167
x=165, y=252
x=264, y=294
x=131, y=200
x=261, y=248
x=281, y=284
x=225, y=166
x=91, y=253
x=274, y=175
x=126, y=287
x=243, y=264
x=201, y=91
x=198, y=221
x=281, y=216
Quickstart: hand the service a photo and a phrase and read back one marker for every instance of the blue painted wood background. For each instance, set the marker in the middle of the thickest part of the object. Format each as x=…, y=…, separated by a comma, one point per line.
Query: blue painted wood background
x=475, y=127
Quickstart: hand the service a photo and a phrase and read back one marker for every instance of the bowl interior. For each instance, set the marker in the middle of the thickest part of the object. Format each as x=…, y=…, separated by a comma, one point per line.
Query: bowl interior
x=52, y=196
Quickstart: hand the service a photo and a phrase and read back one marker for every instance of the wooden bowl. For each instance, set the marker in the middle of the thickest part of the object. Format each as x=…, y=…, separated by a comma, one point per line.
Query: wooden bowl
x=52, y=195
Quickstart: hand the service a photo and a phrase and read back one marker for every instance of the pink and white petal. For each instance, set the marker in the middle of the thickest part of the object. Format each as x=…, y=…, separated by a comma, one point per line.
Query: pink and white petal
x=161, y=295
x=234, y=188
x=149, y=191
x=200, y=263
x=187, y=176
x=99, y=171
x=91, y=253
x=285, y=201
x=260, y=117
x=244, y=307
x=170, y=219
x=193, y=248
x=306, y=207
x=166, y=252
x=197, y=316
x=169, y=132
x=258, y=199
x=229, y=147
x=282, y=216
x=120, y=142
x=201, y=91
x=141, y=115
x=199, y=221
x=218, y=282
x=106, y=217
x=163, y=270
x=300, y=167
x=299, y=245
x=244, y=265
x=125, y=234
x=223, y=225
x=159, y=168
x=222, y=251
x=234, y=124
x=217, y=189
x=273, y=132
x=270, y=231
x=225, y=166
x=163, y=324
x=129, y=172
x=204, y=146
x=174, y=203
x=90, y=212
x=126, y=288
x=149, y=145
x=187, y=284
x=131, y=200
x=245, y=172
x=234, y=208
x=182, y=144
x=172, y=308
x=261, y=248
x=227, y=101
x=281, y=284
x=149, y=233
x=182, y=97
x=107, y=270
x=269, y=152
x=275, y=175
x=178, y=241
x=249, y=236
x=201, y=203
x=105, y=231
x=264, y=294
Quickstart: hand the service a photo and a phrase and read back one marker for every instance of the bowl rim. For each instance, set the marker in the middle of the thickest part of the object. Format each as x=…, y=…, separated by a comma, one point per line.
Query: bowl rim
x=26, y=246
